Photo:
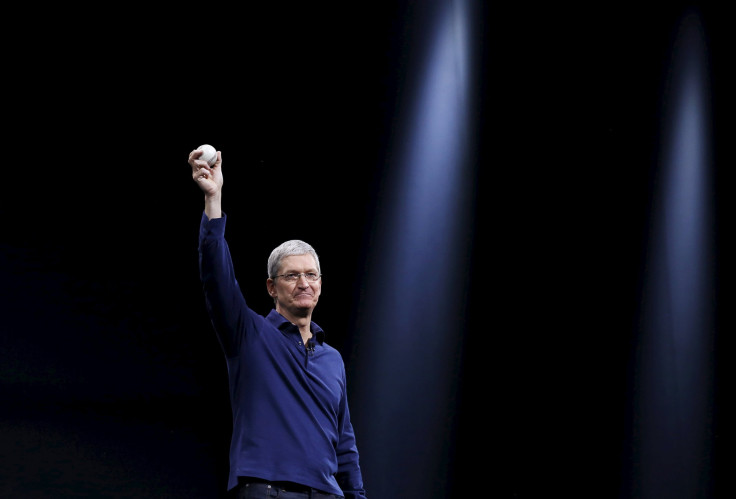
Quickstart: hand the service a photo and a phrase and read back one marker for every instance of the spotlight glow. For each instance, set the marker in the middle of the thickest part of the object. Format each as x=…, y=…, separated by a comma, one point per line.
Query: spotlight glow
x=412, y=310
x=672, y=444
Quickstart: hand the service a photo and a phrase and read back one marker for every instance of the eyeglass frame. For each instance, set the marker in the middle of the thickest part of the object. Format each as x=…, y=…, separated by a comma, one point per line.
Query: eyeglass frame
x=298, y=275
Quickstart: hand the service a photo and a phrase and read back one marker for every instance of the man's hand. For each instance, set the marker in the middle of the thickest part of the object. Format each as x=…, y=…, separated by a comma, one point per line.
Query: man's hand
x=208, y=178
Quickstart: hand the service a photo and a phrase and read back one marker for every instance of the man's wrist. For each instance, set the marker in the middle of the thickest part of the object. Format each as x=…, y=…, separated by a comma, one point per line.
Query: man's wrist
x=213, y=205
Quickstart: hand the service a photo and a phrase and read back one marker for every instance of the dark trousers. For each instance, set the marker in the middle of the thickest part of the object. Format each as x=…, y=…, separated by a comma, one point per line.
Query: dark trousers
x=251, y=488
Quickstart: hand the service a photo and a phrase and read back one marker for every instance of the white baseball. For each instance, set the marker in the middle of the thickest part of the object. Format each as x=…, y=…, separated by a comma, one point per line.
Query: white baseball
x=209, y=154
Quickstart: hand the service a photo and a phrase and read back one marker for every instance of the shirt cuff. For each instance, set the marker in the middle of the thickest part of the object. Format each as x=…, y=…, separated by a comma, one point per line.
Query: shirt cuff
x=214, y=227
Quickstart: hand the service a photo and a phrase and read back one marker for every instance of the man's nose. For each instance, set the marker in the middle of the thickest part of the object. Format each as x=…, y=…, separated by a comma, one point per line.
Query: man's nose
x=301, y=279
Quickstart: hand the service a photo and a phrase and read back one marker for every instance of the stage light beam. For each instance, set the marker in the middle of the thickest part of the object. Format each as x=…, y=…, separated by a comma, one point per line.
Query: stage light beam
x=673, y=382
x=410, y=324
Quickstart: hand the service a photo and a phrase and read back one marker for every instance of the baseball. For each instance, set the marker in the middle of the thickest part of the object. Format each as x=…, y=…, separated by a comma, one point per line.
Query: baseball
x=209, y=154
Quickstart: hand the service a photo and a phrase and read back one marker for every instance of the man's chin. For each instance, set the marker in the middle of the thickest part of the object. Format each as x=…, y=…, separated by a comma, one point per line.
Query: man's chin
x=304, y=306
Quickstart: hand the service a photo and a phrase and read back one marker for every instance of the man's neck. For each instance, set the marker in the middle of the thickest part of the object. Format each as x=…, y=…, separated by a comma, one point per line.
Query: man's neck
x=302, y=322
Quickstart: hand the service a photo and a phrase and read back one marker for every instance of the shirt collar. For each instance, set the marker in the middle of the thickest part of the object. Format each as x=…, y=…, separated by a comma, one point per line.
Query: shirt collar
x=282, y=323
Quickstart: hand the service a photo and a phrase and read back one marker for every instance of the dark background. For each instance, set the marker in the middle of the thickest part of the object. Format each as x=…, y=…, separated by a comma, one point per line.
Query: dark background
x=112, y=381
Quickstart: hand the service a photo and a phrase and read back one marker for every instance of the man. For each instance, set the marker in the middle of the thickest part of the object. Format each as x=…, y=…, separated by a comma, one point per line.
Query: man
x=292, y=435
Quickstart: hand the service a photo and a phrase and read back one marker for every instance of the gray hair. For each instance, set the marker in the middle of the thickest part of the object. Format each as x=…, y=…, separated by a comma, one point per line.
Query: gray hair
x=290, y=248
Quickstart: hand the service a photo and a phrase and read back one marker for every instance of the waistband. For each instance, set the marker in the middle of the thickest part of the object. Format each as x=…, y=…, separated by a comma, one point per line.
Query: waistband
x=285, y=486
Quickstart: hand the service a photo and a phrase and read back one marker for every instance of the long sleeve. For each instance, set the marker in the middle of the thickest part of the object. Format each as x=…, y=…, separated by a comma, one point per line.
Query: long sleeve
x=225, y=302
x=349, y=476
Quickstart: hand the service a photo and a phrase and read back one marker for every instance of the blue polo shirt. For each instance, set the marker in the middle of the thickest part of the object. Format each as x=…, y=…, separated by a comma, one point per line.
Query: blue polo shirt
x=290, y=409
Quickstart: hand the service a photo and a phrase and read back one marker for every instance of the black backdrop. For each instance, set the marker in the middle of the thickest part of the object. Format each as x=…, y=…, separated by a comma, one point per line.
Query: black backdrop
x=112, y=382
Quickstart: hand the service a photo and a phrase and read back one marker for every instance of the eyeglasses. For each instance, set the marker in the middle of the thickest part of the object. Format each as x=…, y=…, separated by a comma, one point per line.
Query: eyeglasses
x=309, y=276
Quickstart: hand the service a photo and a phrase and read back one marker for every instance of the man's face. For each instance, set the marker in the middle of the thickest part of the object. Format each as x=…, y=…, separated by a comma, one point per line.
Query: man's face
x=297, y=298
